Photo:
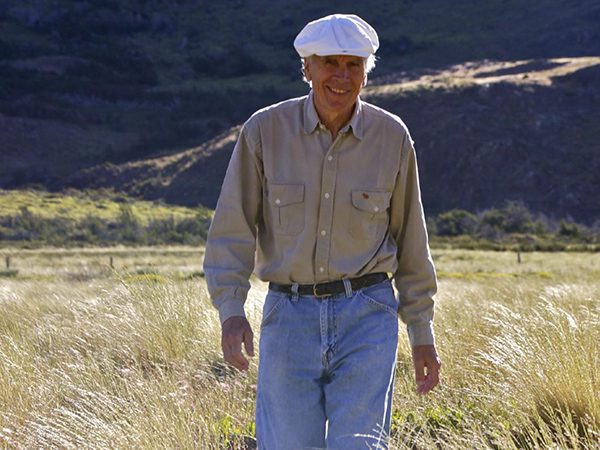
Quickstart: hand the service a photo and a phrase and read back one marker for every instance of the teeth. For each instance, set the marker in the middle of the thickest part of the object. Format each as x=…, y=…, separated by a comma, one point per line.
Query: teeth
x=337, y=91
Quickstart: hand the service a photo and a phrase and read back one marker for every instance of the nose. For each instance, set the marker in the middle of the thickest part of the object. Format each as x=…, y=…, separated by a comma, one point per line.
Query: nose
x=342, y=72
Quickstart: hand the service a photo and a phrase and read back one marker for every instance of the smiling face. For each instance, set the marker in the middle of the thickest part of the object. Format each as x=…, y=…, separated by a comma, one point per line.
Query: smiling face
x=336, y=83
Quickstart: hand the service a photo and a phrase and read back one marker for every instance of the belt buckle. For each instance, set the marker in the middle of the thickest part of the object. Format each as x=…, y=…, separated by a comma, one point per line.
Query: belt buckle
x=316, y=294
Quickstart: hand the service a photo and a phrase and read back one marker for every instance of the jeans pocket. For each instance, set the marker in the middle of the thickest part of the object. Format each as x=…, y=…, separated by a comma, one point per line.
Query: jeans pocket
x=273, y=302
x=381, y=297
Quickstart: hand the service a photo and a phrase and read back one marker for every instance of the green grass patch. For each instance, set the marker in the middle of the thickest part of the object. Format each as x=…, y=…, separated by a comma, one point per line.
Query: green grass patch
x=9, y=273
x=77, y=206
x=30, y=219
x=480, y=275
x=475, y=275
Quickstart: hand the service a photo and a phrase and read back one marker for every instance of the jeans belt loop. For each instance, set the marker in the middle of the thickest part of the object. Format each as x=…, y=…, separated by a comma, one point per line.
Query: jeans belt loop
x=295, y=295
x=347, y=287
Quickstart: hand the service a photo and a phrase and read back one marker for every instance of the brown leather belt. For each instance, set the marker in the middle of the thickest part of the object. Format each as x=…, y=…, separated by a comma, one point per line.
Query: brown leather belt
x=331, y=287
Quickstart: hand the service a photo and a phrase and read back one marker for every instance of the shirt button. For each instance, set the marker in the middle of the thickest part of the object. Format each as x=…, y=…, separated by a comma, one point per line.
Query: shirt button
x=321, y=269
x=323, y=232
x=376, y=209
x=329, y=158
x=326, y=194
x=277, y=201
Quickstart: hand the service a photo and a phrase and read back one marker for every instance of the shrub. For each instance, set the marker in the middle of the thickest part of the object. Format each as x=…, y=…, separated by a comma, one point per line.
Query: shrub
x=27, y=227
x=456, y=222
x=570, y=229
x=514, y=217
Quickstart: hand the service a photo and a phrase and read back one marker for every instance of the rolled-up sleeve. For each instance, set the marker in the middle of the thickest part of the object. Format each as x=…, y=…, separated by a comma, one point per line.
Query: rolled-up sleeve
x=231, y=243
x=415, y=278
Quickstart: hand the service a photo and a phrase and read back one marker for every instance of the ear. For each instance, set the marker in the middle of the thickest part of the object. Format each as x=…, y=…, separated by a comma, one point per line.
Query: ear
x=307, y=69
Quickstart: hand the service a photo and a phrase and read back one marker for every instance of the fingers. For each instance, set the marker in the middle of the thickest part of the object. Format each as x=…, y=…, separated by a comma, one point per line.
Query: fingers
x=420, y=378
x=249, y=342
x=236, y=330
x=232, y=353
x=433, y=373
x=432, y=379
x=427, y=368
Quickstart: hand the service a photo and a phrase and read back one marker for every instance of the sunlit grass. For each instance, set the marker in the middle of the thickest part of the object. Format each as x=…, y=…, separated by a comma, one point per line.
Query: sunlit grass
x=128, y=357
x=77, y=206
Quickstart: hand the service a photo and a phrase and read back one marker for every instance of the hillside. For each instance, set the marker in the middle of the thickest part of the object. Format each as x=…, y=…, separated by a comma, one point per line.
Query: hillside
x=190, y=177
x=485, y=133
x=145, y=96
x=30, y=218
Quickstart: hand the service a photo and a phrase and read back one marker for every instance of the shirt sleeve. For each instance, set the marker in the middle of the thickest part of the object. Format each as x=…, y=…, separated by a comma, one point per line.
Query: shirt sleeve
x=231, y=242
x=415, y=278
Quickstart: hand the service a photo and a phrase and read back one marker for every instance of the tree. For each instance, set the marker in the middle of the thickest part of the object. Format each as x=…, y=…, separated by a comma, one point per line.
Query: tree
x=514, y=217
x=456, y=222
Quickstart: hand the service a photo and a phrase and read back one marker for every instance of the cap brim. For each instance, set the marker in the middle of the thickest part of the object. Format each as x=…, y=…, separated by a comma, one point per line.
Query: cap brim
x=344, y=53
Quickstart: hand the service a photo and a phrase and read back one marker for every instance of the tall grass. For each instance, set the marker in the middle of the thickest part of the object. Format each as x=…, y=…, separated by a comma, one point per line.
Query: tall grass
x=129, y=359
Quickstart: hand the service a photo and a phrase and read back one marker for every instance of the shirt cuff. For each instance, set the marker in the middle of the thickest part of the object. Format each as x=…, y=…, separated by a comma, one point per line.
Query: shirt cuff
x=230, y=308
x=421, y=334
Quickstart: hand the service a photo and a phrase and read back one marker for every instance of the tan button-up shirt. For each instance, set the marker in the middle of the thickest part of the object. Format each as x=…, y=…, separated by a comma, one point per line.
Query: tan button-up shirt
x=297, y=207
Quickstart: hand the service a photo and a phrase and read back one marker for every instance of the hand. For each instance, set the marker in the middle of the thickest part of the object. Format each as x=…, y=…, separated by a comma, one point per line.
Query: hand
x=427, y=367
x=234, y=331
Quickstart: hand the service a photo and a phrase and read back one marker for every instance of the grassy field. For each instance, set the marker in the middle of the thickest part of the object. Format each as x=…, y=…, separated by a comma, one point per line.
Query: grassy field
x=77, y=205
x=128, y=357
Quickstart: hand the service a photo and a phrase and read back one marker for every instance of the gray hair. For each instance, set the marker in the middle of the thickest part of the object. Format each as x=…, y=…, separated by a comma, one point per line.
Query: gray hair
x=369, y=63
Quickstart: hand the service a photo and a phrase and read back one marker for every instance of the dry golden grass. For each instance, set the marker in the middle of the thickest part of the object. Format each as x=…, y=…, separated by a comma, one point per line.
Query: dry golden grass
x=525, y=72
x=129, y=358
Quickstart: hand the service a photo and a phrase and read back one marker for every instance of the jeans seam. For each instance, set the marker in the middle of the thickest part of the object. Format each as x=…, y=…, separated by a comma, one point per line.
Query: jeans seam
x=334, y=325
x=273, y=310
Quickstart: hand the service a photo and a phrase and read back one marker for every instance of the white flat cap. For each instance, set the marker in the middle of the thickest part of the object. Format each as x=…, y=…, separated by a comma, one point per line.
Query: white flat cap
x=337, y=34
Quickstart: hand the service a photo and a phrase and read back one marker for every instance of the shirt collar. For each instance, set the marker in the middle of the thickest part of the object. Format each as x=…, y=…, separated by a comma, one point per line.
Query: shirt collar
x=311, y=118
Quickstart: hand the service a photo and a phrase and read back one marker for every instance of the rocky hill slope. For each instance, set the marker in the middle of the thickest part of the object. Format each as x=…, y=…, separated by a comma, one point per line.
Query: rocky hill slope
x=485, y=133
x=145, y=96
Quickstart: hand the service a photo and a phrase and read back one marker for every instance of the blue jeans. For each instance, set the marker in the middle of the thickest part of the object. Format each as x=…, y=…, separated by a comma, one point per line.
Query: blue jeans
x=326, y=370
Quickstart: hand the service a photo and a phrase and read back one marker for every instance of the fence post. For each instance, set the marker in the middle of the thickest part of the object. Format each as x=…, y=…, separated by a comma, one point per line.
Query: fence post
x=111, y=263
x=7, y=262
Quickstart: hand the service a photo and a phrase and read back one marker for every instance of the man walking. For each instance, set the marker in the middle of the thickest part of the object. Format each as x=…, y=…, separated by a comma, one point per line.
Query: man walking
x=321, y=199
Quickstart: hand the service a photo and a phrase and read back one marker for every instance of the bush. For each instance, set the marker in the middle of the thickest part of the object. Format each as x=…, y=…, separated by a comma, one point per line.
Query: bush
x=26, y=227
x=570, y=230
x=456, y=222
x=514, y=217
x=510, y=227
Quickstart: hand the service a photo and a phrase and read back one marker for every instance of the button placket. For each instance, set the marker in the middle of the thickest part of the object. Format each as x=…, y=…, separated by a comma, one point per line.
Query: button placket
x=325, y=221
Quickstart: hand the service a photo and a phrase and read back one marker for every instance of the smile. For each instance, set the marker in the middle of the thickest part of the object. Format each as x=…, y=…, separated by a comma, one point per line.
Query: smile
x=337, y=91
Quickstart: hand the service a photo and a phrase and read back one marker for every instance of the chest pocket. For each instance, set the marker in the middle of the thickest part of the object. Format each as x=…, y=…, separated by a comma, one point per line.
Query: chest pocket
x=286, y=204
x=369, y=214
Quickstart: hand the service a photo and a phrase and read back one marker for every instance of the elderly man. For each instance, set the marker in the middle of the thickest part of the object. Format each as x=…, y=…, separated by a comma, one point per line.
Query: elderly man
x=321, y=199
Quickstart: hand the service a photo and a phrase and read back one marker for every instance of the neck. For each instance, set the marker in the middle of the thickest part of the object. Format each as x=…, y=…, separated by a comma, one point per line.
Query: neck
x=334, y=121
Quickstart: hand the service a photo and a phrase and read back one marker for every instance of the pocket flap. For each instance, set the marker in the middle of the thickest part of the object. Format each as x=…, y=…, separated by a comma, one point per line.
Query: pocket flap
x=371, y=201
x=286, y=194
